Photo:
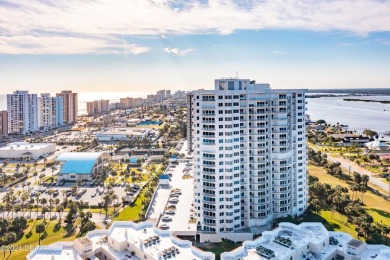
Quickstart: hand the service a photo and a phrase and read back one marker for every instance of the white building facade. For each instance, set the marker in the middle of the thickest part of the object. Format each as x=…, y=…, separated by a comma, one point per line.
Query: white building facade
x=26, y=150
x=22, y=112
x=249, y=145
x=50, y=111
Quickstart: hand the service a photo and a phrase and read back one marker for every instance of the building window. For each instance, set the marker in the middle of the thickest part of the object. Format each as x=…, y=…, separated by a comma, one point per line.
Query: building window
x=222, y=85
x=230, y=85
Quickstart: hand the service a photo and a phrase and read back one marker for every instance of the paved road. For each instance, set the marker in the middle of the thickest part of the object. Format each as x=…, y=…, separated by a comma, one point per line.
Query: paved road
x=353, y=167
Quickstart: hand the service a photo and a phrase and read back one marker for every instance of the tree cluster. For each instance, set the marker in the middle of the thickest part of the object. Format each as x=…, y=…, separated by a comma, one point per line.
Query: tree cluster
x=337, y=198
x=11, y=230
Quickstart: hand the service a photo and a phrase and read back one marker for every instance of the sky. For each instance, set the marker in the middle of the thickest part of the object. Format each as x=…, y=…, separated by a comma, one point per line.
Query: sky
x=145, y=45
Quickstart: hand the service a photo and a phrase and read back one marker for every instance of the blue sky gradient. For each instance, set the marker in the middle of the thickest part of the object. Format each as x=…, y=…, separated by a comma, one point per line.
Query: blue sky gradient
x=172, y=52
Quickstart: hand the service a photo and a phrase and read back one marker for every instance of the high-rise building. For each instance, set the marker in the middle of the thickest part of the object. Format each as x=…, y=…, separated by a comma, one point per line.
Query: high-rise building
x=70, y=105
x=168, y=94
x=128, y=102
x=22, y=112
x=3, y=124
x=50, y=111
x=250, y=150
x=138, y=102
x=161, y=95
x=98, y=106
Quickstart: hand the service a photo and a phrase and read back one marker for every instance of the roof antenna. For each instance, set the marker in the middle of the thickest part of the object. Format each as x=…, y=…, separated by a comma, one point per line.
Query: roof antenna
x=236, y=74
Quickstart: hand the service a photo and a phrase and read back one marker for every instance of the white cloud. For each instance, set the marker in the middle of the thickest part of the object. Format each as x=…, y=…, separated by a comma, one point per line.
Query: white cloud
x=64, y=45
x=177, y=52
x=278, y=52
x=99, y=24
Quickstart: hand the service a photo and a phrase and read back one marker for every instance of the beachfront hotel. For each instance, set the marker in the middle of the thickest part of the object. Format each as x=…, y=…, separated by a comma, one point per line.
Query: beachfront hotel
x=3, y=124
x=22, y=112
x=70, y=106
x=249, y=145
x=98, y=106
x=50, y=111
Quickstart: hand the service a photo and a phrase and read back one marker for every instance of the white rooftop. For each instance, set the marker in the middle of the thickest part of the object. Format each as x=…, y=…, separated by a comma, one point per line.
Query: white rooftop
x=57, y=251
x=25, y=146
x=309, y=239
x=125, y=131
x=129, y=236
x=141, y=235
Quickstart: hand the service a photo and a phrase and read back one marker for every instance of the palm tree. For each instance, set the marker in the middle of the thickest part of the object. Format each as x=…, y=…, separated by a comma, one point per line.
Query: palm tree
x=314, y=204
x=106, y=200
x=357, y=177
x=43, y=201
x=337, y=202
x=365, y=179
x=28, y=167
x=40, y=228
x=51, y=202
x=354, y=188
x=24, y=197
x=10, y=238
x=1, y=172
x=60, y=210
x=37, y=200
x=114, y=197
x=35, y=166
x=30, y=206
x=363, y=189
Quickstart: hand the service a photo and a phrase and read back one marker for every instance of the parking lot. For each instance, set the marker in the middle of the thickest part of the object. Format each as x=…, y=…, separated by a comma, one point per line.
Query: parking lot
x=92, y=195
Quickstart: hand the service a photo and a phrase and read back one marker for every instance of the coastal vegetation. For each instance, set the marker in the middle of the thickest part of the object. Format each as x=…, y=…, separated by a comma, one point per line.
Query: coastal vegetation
x=18, y=229
x=346, y=203
x=325, y=142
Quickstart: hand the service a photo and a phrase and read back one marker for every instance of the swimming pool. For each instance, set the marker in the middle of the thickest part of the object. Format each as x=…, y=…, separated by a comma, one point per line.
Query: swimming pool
x=150, y=122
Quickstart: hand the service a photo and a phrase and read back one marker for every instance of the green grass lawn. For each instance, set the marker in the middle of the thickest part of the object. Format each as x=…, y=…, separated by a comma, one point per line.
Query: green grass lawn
x=375, y=205
x=131, y=212
x=122, y=178
x=338, y=222
x=52, y=236
x=370, y=200
x=374, y=169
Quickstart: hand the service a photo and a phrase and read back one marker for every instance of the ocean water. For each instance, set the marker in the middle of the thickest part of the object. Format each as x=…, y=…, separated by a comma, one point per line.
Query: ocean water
x=356, y=114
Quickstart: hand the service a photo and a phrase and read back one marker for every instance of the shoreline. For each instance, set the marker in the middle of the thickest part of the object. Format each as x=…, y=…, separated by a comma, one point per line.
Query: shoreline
x=367, y=100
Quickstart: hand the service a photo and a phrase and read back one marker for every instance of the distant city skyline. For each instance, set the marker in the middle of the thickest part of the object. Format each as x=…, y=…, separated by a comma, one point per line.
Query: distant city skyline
x=133, y=46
